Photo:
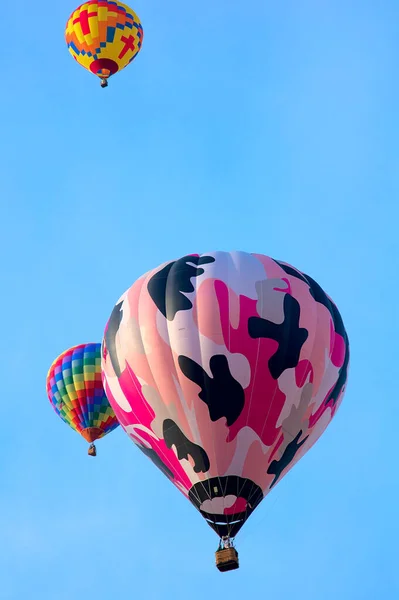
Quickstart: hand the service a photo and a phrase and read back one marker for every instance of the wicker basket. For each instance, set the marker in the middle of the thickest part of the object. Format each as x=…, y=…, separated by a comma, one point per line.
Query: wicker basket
x=92, y=451
x=227, y=559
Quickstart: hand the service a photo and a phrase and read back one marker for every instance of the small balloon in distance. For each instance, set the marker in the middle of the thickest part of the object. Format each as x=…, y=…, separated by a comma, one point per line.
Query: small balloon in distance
x=76, y=393
x=104, y=37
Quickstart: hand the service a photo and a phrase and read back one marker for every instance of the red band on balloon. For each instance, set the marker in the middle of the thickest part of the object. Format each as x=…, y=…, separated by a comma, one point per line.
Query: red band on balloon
x=104, y=63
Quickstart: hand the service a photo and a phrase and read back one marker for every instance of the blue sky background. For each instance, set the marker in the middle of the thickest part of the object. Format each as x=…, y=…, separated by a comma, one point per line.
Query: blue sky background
x=267, y=127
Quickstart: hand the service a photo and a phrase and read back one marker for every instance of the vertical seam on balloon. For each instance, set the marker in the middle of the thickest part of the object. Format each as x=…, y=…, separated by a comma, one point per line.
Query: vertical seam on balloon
x=85, y=413
x=276, y=388
x=303, y=376
x=50, y=393
x=292, y=464
x=89, y=400
x=228, y=257
x=62, y=382
x=94, y=398
x=275, y=391
x=228, y=279
x=139, y=387
x=195, y=298
x=257, y=358
x=177, y=372
x=84, y=410
x=80, y=408
x=326, y=371
x=201, y=352
x=80, y=412
x=106, y=423
x=316, y=312
x=245, y=479
x=160, y=452
x=143, y=288
x=250, y=400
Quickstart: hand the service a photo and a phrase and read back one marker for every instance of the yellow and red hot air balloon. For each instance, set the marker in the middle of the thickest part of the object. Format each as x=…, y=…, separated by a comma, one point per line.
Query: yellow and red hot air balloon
x=104, y=37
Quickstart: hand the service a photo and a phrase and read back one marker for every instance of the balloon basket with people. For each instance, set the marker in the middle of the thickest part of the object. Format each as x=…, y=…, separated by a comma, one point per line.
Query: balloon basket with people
x=92, y=451
x=226, y=556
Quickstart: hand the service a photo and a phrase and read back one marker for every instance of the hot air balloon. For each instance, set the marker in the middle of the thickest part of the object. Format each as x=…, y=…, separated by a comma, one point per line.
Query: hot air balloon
x=104, y=37
x=225, y=369
x=75, y=390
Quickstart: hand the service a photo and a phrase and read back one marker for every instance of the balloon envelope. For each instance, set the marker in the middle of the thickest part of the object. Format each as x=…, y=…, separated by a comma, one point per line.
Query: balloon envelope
x=76, y=392
x=104, y=36
x=224, y=369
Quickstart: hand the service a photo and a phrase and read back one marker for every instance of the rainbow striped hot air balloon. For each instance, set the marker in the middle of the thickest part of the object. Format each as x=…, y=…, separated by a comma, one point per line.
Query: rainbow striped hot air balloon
x=104, y=37
x=76, y=392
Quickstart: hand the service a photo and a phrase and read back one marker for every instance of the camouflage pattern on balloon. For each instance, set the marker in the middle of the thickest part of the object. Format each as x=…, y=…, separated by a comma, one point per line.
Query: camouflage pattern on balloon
x=225, y=369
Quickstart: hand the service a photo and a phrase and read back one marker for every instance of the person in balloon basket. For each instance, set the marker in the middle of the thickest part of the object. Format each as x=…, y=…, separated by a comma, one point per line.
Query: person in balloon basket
x=225, y=543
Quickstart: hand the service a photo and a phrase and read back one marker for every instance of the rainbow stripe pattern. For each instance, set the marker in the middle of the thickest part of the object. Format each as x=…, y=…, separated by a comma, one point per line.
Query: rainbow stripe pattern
x=75, y=390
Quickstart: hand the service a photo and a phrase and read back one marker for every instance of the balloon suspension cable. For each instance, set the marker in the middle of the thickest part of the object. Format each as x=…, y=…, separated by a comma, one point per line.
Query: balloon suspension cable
x=104, y=82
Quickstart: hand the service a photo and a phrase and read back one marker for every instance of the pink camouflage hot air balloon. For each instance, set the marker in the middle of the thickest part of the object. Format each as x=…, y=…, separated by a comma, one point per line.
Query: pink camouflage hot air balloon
x=225, y=369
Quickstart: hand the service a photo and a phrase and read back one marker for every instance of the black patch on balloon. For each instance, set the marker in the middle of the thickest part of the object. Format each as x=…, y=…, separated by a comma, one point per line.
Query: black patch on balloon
x=110, y=337
x=276, y=467
x=288, y=334
x=167, y=286
x=320, y=296
x=173, y=436
x=223, y=394
x=152, y=455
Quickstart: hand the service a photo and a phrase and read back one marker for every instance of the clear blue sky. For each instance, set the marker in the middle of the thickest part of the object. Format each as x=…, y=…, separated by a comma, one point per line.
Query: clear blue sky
x=264, y=126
